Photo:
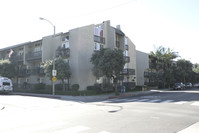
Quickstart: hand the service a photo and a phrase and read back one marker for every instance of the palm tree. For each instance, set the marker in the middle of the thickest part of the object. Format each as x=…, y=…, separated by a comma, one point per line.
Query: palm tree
x=163, y=60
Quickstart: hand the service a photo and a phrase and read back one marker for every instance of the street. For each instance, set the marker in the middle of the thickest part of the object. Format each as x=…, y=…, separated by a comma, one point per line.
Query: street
x=161, y=112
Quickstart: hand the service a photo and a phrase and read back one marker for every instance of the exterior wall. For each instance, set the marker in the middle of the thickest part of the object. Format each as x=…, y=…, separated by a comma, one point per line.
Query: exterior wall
x=132, y=63
x=49, y=46
x=81, y=48
x=142, y=63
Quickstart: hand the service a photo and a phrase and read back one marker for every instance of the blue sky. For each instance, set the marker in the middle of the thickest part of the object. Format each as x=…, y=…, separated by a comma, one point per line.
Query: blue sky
x=148, y=23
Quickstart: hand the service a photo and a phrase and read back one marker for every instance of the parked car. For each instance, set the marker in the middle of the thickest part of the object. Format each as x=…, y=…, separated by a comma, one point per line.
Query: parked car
x=196, y=85
x=178, y=86
x=188, y=85
x=5, y=85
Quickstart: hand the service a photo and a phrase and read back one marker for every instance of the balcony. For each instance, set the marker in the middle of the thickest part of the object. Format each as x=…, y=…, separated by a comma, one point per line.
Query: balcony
x=17, y=58
x=34, y=55
x=63, y=52
x=23, y=72
x=126, y=47
x=32, y=71
x=128, y=71
x=99, y=39
x=127, y=59
x=149, y=74
x=117, y=44
x=37, y=70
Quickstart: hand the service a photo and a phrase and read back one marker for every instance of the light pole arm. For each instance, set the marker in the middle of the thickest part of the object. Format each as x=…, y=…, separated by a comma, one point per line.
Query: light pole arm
x=50, y=23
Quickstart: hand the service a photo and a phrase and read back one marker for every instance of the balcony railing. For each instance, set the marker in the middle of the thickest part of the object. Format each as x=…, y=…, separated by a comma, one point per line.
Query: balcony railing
x=99, y=39
x=149, y=74
x=34, y=55
x=126, y=47
x=127, y=59
x=17, y=58
x=128, y=71
x=63, y=52
x=32, y=71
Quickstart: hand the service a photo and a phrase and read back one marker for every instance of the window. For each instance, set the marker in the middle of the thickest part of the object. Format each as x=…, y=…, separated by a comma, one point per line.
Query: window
x=65, y=45
x=98, y=46
x=125, y=41
x=27, y=80
x=41, y=80
x=37, y=49
x=125, y=53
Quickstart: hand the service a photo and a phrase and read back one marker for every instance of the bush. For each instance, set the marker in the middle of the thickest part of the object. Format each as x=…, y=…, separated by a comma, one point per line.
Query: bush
x=75, y=87
x=39, y=86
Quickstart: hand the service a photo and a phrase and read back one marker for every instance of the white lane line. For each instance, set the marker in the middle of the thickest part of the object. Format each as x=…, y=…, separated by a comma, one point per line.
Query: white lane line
x=154, y=101
x=75, y=129
x=131, y=100
x=181, y=102
x=142, y=100
x=167, y=101
x=195, y=104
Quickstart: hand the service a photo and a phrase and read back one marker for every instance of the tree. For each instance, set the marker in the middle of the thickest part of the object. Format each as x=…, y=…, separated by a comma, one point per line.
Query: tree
x=63, y=70
x=109, y=63
x=162, y=61
x=7, y=69
x=62, y=67
x=184, y=69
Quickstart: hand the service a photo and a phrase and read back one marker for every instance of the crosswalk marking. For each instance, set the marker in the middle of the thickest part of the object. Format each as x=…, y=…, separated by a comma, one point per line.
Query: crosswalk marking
x=154, y=100
x=131, y=100
x=195, y=104
x=181, y=102
x=167, y=101
x=75, y=129
x=142, y=100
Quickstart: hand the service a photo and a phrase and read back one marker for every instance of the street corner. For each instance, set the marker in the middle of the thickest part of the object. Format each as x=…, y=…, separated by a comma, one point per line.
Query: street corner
x=120, y=96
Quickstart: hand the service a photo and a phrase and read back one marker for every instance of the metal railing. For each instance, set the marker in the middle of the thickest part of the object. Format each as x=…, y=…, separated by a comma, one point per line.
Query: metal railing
x=34, y=55
x=99, y=39
x=63, y=52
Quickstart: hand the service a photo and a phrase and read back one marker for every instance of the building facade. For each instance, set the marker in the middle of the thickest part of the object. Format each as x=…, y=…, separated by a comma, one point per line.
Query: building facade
x=142, y=62
x=76, y=47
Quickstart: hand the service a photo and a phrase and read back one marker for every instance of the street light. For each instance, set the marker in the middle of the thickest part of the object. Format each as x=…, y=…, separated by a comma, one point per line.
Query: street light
x=50, y=23
x=53, y=91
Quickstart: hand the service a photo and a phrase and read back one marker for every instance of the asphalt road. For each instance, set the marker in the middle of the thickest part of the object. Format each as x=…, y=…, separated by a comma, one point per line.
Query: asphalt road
x=164, y=112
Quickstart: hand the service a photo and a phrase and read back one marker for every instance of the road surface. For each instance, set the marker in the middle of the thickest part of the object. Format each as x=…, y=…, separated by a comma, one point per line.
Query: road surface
x=163, y=112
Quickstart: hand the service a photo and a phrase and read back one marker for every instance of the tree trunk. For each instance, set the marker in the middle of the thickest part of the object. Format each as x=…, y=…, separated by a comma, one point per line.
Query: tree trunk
x=68, y=84
x=63, y=86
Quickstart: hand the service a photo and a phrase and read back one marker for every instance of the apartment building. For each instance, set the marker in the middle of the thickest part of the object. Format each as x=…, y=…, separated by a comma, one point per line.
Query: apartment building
x=76, y=46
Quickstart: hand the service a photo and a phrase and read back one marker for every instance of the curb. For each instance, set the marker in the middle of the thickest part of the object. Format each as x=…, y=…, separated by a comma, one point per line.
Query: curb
x=37, y=95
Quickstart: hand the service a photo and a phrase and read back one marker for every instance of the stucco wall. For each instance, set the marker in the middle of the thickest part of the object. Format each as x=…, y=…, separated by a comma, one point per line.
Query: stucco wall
x=142, y=63
x=81, y=48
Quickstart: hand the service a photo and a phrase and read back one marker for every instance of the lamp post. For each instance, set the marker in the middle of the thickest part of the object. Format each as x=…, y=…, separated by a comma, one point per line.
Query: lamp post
x=53, y=71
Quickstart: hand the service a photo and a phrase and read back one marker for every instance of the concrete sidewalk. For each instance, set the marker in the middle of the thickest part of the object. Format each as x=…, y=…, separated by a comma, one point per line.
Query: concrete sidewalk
x=90, y=98
x=191, y=129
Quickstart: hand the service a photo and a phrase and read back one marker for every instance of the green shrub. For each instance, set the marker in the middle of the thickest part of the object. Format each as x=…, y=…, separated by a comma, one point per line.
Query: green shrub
x=39, y=86
x=75, y=87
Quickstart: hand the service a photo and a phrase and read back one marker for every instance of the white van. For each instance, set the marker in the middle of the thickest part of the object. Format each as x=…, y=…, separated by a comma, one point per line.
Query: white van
x=5, y=85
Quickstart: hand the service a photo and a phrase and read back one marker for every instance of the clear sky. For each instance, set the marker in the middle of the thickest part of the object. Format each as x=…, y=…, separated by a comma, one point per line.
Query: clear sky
x=148, y=23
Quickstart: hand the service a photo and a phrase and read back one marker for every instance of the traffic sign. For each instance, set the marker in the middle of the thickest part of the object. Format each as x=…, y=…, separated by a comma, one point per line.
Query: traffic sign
x=54, y=72
x=54, y=79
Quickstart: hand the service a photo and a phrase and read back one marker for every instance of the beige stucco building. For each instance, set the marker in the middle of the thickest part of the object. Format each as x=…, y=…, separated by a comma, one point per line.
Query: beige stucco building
x=76, y=46
x=142, y=62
